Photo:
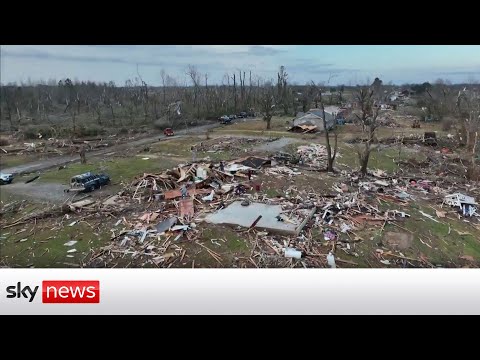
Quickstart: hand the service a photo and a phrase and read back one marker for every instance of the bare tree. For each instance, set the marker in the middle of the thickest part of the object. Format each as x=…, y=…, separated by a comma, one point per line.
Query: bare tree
x=8, y=105
x=282, y=90
x=268, y=104
x=195, y=78
x=368, y=119
x=439, y=100
x=468, y=106
x=234, y=94
x=143, y=95
x=164, y=75
x=326, y=128
x=317, y=91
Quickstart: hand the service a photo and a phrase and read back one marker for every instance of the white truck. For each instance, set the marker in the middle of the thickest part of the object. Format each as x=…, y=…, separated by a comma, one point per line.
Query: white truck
x=5, y=178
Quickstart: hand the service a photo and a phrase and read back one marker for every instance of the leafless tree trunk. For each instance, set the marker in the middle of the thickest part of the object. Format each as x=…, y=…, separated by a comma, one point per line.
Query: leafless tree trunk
x=331, y=157
x=6, y=97
x=472, y=172
x=195, y=77
x=144, y=96
x=468, y=107
x=98, y=110
x=268, y=104
x=250, y=92
x=368, y=119
x=234, y=94
x=78, y=103
x=163, y=75
x=74, y=122
x=113, y=114
x=207, y=100
x=83, y=158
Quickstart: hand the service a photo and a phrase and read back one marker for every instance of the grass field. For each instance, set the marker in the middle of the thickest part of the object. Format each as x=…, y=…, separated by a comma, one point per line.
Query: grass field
x=443, y=243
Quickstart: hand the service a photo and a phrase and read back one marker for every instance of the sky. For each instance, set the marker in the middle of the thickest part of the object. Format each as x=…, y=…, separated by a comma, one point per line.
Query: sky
x=332, y=64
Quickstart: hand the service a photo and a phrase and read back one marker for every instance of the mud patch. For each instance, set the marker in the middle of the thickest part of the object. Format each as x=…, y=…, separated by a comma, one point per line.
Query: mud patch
x=398, y=240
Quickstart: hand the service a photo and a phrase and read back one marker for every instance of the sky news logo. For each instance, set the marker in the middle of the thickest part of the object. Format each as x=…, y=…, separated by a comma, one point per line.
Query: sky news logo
x=59, y=292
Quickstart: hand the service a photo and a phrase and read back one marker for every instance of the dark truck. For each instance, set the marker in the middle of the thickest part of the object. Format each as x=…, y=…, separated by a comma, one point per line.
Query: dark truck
x=88, y=182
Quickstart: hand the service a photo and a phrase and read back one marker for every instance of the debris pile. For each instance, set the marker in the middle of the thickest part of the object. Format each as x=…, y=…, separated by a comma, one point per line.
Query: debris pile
x=227, y=193
x=313, y=155
x=235, y=145
x=160, y=217
x=386, y=119
x=62, y=146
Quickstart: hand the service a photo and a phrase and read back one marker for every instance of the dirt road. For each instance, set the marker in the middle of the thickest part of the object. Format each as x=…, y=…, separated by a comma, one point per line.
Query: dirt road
x=63, y=160
x=276, y=145
x=49, y=192
x=53, y=192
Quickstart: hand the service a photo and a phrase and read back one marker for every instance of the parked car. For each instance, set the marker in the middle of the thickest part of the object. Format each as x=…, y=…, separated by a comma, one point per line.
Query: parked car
x=250, y=114
x=233, y=117
x=242, y=115
x=88, y=182
x=224, y=118
x=227, y=120
x=6, y=178
x=168, y=132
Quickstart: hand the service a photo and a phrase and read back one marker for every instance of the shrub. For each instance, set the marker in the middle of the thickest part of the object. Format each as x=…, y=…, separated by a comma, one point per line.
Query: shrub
x=123, y=131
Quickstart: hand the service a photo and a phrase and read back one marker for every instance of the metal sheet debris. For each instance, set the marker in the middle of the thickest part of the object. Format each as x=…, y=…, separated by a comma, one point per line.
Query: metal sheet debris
x=166, y=224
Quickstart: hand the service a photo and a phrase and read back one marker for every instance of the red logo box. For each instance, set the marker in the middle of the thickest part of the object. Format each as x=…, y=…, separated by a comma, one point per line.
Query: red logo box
x=71, y=292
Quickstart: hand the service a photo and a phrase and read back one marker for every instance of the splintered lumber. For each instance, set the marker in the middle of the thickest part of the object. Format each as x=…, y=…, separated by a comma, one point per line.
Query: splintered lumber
x=255, y=222
x=82, y=203
x=183, y=175
x=175, y=193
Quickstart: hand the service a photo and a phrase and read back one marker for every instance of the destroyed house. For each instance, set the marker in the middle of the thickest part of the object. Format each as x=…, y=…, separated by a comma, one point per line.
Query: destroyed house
x=458, y=199
x=464, y=202
x=315, y=117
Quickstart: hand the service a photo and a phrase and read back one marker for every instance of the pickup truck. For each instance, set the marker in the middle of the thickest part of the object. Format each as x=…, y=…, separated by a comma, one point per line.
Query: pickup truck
x=225, y=120
x=5, y=178
x=88, y=182
x=168, y=132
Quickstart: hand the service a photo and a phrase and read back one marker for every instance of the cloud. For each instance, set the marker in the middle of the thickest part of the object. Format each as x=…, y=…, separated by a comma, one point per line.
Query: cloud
x=303, y=63
x=145, y=55
x=258, y=50
x=45, y=55
x=461, y=72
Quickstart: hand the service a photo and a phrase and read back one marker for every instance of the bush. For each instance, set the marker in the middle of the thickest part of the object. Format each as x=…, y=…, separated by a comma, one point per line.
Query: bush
x=123, y=131
x=4, y=141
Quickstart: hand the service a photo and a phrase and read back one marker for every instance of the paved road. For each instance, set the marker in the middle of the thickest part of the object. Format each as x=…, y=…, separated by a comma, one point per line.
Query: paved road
x=46, y=164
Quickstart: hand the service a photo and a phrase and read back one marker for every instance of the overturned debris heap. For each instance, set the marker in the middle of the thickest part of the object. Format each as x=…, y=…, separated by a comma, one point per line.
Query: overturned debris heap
x=295, y=228
x=235, y=145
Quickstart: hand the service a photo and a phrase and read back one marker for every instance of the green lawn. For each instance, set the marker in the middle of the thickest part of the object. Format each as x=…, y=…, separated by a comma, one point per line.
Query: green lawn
x=382, y=158
x=119, y=169
x=44, y=247
x=7, y=161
